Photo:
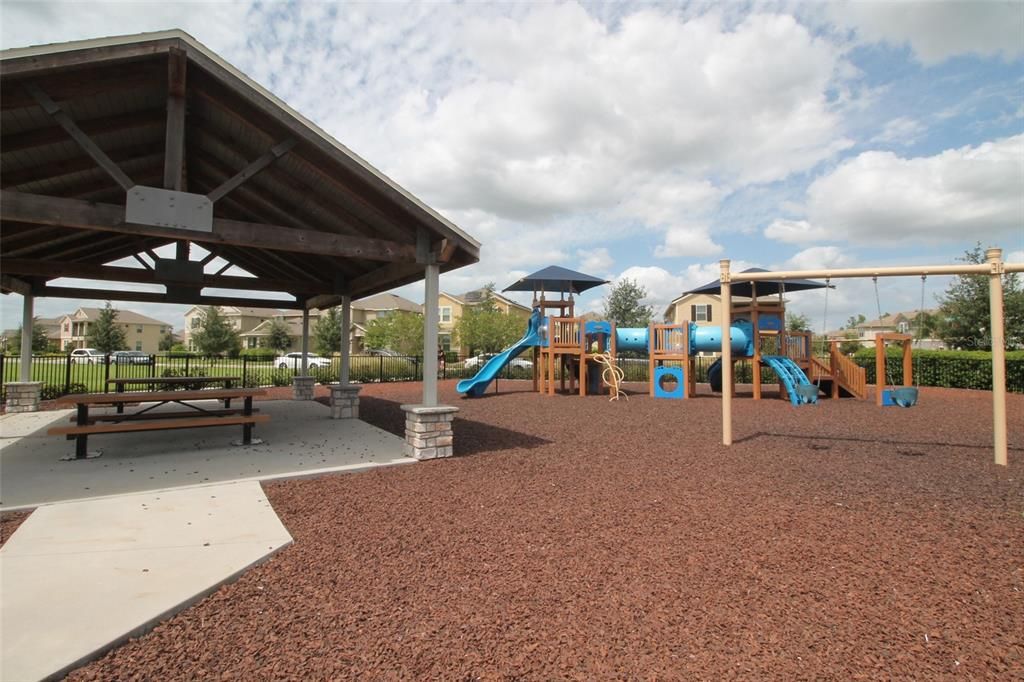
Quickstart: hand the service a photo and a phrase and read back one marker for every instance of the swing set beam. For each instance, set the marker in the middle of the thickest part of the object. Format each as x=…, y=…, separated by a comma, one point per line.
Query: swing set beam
x=994, y=267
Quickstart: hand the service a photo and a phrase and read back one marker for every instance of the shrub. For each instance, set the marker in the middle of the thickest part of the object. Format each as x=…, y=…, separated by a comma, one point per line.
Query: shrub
x=259, y=354
x=946, y=368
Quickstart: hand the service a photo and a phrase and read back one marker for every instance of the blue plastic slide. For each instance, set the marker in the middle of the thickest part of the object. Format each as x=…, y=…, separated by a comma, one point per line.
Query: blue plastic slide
x=476, y=386
x=791, y=377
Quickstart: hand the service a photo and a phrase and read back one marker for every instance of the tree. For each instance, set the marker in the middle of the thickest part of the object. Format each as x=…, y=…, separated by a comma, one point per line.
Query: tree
x=401, y=331
x=327, y=332
x=40, y=341
x=485, y=329
x=279, y=335
x=851, y=344
x=854, y=321
x=215, y=334
x=167, y=341
x=964, y=317
x=797, y=322
x=105, y=334
x=623, y=305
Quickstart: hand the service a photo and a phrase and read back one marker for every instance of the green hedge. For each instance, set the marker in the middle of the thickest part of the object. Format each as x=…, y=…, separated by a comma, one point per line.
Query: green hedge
x=947, y=368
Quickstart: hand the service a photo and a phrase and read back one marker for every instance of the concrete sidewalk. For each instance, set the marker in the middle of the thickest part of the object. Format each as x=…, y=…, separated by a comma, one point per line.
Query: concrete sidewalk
x=78, y=578
x=299, y=440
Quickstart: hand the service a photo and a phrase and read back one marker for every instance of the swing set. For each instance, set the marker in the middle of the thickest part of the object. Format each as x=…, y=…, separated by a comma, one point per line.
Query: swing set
x=905, y=395
x=994, y=267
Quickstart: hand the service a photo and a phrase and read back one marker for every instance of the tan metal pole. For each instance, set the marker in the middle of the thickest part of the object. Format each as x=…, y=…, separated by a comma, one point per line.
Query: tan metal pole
x=726, y=281
x=995, y=290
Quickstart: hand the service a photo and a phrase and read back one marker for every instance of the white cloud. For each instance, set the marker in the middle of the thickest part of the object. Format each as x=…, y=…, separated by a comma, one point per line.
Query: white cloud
x=879, y=197
x=1014, y=257
x=902, y=130
x=936, y=31
x=794, y=231
x=564, y=112
x=595, y=260
x=818, y=258
x=687, y=241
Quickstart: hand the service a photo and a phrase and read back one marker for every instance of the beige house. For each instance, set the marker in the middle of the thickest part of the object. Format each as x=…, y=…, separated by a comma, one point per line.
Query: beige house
x=141, y=332
x=364, y=311
x=240, y=318
x=704, y=309
x=899, y=323
x=11, y=338
x=450, y=309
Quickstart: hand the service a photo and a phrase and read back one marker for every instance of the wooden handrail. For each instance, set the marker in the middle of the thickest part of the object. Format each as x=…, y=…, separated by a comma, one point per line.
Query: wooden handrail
x=847, y=372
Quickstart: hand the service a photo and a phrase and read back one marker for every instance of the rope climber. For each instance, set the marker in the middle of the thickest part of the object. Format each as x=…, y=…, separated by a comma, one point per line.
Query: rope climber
x=612, y=375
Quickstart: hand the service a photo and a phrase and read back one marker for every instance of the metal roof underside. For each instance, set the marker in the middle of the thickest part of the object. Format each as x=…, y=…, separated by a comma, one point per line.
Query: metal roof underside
x=314, y=220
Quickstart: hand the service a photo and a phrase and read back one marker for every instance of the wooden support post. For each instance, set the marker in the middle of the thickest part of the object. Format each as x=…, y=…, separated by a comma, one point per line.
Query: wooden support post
x=908, y=362
x=727, y=379
x=346, y=336
x=995, y=290
x=27, y=319
x=880, y=362
x=174, y=141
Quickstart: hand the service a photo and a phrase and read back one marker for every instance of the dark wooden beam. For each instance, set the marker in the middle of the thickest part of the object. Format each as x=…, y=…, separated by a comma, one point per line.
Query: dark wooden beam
x=83, y=140
x=56, y=169
x=14, y=285
x=116, y=273
x=275, y=152
x=120, y=123
x=174, y=140
x=67, y=85
x=141, y=260
x=115, y=54
x=156, y=297
x=209, y=257
x=384, y=275
x=43, y=210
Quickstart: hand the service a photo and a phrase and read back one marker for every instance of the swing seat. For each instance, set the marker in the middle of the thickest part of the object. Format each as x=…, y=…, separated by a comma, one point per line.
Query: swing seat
x=808, y=393
x=905, y=396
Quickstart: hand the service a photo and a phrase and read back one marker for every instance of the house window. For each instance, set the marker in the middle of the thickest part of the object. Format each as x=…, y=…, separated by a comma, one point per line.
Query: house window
x=196, y=322
x=445, y=340
x=253, y=342
x=701, y=313
x=445, y=313
x=67, y=326
x=138, y=345
x=138, y=330
x=903, y=327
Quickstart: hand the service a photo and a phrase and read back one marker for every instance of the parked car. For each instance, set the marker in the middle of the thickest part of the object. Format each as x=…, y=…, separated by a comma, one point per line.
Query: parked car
x=294, y=361
x=129, y=357
x=479, y=360
x=87, y=356
x=381, y=352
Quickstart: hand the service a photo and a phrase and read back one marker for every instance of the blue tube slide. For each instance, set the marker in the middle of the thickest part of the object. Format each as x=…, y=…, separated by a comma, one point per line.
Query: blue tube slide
x=476, y=386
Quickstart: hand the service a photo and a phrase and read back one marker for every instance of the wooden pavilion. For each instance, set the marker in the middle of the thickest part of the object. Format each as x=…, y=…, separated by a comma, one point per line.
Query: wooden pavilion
x=112, y=148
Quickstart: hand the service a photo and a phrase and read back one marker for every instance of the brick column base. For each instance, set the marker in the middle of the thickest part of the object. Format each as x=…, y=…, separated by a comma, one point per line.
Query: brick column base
x=23, y=396
x=428, y=430
x=345, y=401
x=304, y=387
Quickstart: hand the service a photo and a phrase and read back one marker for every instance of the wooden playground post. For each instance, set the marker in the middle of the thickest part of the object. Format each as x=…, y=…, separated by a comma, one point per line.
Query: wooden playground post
x=882, y=362
x=994, y=268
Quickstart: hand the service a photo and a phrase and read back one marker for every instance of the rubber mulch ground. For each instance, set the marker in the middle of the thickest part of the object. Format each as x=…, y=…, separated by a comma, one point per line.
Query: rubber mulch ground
x=582, y=539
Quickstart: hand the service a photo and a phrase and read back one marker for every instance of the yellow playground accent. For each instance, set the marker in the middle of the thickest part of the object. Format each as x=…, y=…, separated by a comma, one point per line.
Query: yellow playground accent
x=612, y=375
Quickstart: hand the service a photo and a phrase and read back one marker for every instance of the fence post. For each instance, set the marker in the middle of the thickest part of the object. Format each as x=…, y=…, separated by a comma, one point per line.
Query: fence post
x=187, y=357
x=415, y=367
x=380, y=372
x=245, y=370
x=67, y=374
x=106, y=372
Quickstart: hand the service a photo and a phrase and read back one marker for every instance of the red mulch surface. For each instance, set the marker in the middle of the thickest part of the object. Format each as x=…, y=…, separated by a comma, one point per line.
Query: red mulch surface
x=9, y=522
x=577, y=538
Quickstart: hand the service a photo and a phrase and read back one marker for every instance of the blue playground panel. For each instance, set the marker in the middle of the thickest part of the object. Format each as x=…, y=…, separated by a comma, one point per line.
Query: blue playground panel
x=661, y=373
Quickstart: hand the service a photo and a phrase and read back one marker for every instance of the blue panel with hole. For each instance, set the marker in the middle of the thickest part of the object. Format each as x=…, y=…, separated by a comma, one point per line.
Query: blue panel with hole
x=662, y=375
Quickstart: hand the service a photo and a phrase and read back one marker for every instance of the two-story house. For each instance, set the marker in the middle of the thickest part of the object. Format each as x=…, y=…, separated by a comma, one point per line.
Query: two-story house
x=450, y=308
x=900, y=323
x=240, y=318
x=140, y=332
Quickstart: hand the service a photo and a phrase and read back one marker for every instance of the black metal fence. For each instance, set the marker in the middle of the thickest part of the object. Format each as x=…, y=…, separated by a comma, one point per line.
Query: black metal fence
x=61, y=374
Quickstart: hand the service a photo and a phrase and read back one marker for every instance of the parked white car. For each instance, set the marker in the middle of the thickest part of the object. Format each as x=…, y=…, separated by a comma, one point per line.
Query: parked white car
x=87, y=356
x=479, y=360
x=294, y=361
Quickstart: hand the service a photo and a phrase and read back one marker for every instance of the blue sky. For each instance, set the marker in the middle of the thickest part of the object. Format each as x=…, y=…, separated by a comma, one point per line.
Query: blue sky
x=646, y=140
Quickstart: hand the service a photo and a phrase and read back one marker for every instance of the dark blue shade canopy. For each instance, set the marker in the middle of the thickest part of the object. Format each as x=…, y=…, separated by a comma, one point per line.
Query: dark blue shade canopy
x=556, y=280
x=766, y=288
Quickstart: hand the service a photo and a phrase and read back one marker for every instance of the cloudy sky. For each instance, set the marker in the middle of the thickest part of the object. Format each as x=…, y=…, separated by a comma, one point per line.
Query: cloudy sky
x=646, y=140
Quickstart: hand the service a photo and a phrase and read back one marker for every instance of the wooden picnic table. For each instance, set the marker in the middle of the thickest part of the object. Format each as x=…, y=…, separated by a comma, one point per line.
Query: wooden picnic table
x=145, y=419
x=121, y=383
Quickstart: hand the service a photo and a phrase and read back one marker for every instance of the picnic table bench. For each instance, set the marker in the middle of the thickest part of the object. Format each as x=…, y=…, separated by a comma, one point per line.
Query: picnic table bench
x=121, y=383
x=146, y=419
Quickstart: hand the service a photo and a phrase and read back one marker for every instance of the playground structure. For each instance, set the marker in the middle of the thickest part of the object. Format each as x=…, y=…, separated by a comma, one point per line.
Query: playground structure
x=994, y=268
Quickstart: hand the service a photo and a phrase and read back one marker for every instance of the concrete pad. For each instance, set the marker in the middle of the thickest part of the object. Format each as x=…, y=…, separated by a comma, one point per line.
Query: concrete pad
x=76, y=579
x=299, y=440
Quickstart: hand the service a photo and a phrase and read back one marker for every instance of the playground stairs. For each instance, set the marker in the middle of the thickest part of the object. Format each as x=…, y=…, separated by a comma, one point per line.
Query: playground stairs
x=841, y=377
